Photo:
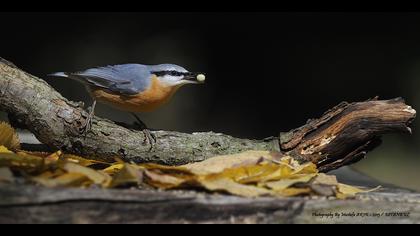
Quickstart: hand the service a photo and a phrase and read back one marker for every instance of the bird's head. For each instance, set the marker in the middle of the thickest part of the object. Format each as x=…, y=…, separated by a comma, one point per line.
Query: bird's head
x=174, y=75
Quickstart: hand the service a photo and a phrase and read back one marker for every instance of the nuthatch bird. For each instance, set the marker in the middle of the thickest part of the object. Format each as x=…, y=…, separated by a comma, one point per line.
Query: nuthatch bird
x=133, y=87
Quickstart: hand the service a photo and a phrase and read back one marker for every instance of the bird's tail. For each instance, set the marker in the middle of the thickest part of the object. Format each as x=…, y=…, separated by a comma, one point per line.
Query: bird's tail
x=59, y=74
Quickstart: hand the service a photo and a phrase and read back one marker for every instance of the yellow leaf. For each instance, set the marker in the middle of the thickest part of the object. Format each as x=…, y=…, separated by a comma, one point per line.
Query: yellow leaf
x=8, y=137
x=290, y=192
x=219, y=163
x=98, y=177
x=289, y=171
x=232, y=187
x=259, y=173
x=307, y=168
x=237, y=174
x=281, y=185
x=81, y=161
x=163, y=181
x=53, y=158
x=167, y=169
x=324, y=179
x=64, y=180
x=4, y=149
x=113, y=169
x=346, y=191
x=168, y=172
x=128, y=174
x=26, y=162
x=263, y=172
x=248, y=174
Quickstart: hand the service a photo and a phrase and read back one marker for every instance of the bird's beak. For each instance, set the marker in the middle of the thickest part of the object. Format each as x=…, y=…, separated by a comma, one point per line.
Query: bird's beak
x=195, y=78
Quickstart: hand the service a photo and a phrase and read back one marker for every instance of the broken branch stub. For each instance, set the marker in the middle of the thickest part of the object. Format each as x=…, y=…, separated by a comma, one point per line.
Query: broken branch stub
x=344, y=134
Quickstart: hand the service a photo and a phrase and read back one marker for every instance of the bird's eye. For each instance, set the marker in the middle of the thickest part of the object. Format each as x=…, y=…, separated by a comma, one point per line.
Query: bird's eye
x=174, y=73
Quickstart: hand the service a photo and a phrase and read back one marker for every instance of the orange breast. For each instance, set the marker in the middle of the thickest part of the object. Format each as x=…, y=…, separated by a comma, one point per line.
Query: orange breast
x=148, y=100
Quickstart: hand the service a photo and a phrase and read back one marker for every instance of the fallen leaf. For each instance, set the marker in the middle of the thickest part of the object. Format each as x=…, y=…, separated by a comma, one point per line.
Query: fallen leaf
x=53, y=158
x=322, y=178
x=128, y=174
x=113, y=169
x=8, y=137
x=163, y=181
x=306, y=168
x=345, y=191
x=291, y=171
x=232, y=187
x=251, y=174
x=4, y=149
x=241, y=177
x=97, y=177
x=219, y=163
x=81, y=161
x=26, y=162
x=262, y=172
x=290, y=192
x=64, y=180
x=283, y=184
x=247, y=174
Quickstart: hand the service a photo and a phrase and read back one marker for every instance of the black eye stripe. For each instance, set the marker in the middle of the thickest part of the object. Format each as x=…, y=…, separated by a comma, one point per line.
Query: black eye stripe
x=170, y=72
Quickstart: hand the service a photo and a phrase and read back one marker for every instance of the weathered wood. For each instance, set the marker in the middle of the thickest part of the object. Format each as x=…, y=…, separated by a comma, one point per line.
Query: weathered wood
x=341, y=136
x=344, y=134
x=32, y=204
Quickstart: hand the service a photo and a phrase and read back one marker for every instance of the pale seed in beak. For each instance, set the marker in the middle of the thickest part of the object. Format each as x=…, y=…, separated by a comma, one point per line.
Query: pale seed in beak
x=201, y=78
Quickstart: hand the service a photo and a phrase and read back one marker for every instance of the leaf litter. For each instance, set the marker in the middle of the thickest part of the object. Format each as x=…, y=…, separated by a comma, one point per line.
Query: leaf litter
x=246, y=174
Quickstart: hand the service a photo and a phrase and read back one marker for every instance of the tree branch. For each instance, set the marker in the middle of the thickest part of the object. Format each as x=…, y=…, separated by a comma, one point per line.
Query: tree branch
x=341, y=136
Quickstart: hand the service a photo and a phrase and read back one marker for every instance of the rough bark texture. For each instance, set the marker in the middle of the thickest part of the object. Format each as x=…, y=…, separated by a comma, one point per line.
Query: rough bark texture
x=341, y=136
x=31, y=204
x=344, y=134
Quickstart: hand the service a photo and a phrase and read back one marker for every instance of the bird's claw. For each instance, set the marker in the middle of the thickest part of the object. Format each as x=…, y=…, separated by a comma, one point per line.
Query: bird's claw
x=149, y=138
x=87, y=126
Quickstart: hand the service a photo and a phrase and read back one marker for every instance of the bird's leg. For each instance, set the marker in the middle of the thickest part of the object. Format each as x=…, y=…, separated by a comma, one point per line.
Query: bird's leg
x=88, y=124
x=148, y=136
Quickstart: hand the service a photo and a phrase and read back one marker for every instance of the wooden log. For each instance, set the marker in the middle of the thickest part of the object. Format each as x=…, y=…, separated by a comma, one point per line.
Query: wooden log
x=32, y=204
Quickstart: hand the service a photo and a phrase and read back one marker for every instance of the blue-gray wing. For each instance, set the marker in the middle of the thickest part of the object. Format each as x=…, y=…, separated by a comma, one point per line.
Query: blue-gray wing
x=128, y=79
